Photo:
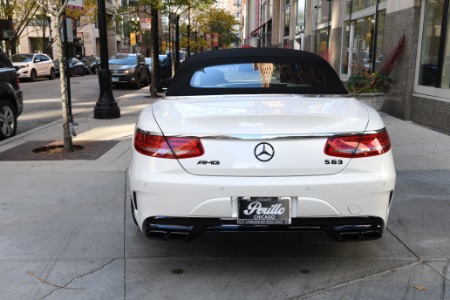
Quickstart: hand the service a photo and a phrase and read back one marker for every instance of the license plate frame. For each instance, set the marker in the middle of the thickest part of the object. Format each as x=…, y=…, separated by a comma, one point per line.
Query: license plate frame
x=115, y=79
x=264, y=210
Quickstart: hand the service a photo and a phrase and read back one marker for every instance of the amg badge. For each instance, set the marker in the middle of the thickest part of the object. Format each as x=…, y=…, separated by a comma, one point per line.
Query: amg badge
x=210, y=162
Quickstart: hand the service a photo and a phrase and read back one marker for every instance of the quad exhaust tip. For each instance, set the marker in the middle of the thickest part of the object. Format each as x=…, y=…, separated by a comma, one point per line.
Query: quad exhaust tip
x=352, y=236
x=169, y=235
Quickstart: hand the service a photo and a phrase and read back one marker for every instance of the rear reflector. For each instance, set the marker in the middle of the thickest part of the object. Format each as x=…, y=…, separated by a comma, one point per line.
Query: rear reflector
x=167, y=147
x=355, y=146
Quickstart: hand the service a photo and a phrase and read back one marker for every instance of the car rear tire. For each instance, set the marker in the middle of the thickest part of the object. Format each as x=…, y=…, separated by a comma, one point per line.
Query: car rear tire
x=8, y=120
x=83, y=72
x=33, y=75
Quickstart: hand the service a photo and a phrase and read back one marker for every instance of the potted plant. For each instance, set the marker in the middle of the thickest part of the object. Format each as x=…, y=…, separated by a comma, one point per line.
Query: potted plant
x=370, y=87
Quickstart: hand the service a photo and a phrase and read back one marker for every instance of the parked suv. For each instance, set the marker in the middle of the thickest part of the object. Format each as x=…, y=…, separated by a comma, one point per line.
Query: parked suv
x=130, y=69
x=32, y=66
x=11, y=99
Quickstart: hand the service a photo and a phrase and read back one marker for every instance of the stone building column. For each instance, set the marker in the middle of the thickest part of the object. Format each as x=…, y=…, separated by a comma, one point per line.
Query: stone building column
x=402, y=18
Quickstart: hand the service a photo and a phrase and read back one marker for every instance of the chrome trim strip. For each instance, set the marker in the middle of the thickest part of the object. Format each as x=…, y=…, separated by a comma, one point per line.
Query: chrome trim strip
x=256, y=137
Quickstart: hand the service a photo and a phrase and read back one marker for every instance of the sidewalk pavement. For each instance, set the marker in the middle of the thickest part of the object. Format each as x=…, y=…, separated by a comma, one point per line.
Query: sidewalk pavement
x=66, y=232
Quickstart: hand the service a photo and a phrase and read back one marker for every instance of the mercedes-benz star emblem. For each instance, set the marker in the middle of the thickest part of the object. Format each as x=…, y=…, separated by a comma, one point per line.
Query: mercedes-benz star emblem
x=264, y=152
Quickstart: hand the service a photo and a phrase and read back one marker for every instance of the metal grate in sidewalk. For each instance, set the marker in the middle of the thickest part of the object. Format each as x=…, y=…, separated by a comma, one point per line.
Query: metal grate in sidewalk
x=87, y=150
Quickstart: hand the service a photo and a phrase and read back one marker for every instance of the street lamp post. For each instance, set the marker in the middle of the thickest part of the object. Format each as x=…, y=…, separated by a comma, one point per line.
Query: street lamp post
x=137, y=34
x=106, y=107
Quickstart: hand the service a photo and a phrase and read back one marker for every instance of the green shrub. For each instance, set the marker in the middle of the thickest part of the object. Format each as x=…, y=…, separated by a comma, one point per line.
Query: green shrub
x=366, y=82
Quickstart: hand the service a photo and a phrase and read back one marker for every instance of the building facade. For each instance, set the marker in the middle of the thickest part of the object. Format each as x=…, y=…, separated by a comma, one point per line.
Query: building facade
x=40, y=37
x=355, y=35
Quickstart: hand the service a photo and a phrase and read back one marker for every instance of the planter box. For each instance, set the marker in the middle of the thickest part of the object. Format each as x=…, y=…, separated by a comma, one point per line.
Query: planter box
x=373, y=99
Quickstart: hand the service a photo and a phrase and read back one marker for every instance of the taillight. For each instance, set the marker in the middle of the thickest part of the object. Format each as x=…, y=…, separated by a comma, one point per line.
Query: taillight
x=355, y=146
x=167, y=147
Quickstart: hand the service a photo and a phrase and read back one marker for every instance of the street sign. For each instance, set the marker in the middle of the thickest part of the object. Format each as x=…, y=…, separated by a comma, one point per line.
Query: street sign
x=75, y=4
x=132, y=38
x=146, y=24
x=69, y=32
x=8, y=34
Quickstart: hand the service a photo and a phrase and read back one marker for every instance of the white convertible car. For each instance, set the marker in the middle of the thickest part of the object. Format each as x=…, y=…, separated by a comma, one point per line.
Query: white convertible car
x=260, y=139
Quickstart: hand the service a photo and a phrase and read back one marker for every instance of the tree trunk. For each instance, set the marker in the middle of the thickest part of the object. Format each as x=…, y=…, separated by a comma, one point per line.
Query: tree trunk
x=68, y=144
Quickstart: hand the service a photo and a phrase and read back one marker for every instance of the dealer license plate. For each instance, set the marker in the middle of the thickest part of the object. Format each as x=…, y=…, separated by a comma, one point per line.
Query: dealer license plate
x=264, y=210
x=115, y=79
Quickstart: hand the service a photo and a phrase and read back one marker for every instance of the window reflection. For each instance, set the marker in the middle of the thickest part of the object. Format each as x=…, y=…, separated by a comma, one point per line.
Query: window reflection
x=257, y=75
x=430, y=43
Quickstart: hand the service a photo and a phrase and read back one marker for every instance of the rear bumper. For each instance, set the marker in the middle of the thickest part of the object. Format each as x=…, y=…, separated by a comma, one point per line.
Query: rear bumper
x=340, y=228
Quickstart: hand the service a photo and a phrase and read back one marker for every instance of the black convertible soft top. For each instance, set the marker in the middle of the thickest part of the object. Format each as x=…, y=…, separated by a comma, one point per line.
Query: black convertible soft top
x=181, y=84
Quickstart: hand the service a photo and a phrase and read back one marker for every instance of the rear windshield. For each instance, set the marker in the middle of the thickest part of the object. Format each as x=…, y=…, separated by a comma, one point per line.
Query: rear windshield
x=257, y=75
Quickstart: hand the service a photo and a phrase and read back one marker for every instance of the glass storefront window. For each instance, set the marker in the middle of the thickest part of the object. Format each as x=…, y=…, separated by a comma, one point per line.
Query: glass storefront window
x=322, y=42
x=355, y=5
x=362, y=4
x=287, y=19
x=379, y=42
x=363, y=44
x=431, y=36
x=348, y=5
x=322, y=10
x=359, y=4
x=346, y=50
x=358, y=52
x=300, y=17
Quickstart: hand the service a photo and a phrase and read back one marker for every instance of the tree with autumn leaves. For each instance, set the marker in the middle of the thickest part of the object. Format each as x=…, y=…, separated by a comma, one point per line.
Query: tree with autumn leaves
x=217, y=21
x=205, y=19
x=199, y=18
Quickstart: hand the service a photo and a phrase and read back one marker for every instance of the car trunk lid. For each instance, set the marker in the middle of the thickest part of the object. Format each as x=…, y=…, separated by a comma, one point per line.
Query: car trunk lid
x=270, y=135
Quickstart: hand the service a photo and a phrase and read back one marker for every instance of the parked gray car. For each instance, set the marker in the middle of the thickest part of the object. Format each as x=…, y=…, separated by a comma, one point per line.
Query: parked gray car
x=131, y=69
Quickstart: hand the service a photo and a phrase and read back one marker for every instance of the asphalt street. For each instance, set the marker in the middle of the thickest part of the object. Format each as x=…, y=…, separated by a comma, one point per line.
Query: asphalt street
x=66, y=232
